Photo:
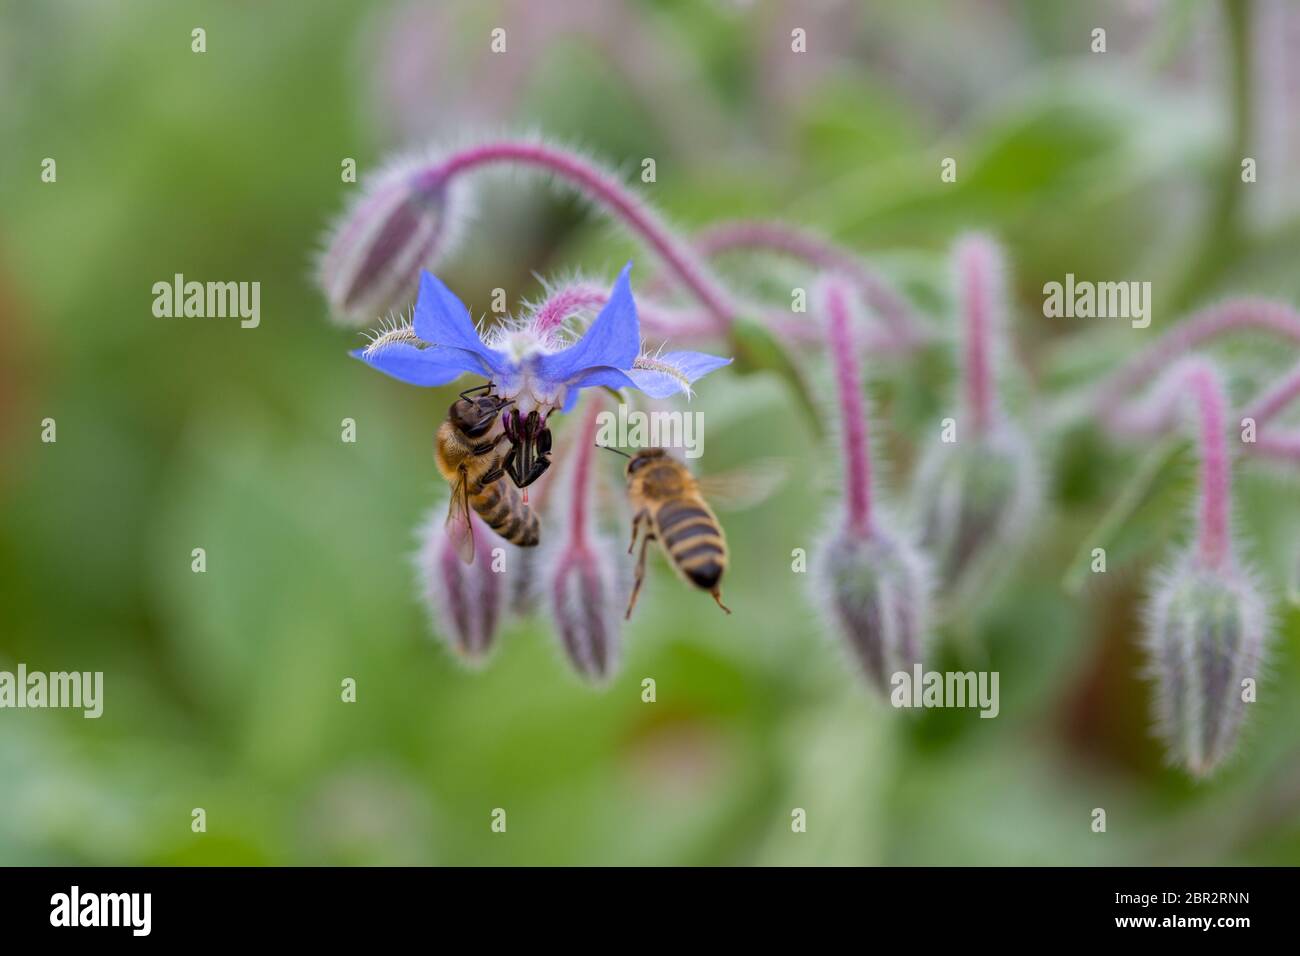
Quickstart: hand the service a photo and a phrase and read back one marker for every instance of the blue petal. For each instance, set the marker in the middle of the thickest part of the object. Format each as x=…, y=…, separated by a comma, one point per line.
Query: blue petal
x=594, y=377
x=694, y=364
x=431, y=366
x=690, y=365
x=613, y=340
x=441, y=319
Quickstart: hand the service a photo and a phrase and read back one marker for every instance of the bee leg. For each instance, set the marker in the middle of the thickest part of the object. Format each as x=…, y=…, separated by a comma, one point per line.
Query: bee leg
x=535, y=471
x=636, y=523
x=640, y=575
x=717, y=596
x=476, y=389
x=483, y=447
x=492, y=475
x=511, y=468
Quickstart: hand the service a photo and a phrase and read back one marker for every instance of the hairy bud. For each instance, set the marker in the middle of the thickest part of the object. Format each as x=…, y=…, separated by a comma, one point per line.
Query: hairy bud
x=465, y=601
x=874, y=590
x=973, y=498
x=525, y=568
x=401, y=223
x=1206, y=636
x=585, y=608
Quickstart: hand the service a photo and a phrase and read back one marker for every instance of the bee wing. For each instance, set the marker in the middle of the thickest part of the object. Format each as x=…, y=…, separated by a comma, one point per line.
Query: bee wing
x=459, y=528
x=745, y=487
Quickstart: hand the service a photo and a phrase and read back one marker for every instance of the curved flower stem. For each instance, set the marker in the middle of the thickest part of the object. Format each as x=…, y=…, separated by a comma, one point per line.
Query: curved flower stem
x=1274, y=398
x=1198, y=380
x=580, y=489
x=978, y=267
x=564, y=301
x=665, y=321
x=1231, y=316
x=603, y=188
x=1281, y=445
x=826, y=256
x=848, y=383
x=656, y=318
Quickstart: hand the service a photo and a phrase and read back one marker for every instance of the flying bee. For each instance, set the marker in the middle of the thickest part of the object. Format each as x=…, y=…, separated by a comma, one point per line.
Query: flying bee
x=666, y=496
x=467, y=458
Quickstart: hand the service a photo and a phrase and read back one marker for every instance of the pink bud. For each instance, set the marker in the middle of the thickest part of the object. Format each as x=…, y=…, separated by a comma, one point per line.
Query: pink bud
x=400, y=224
x=583, y=595
x=586, y=610
x=465, y=602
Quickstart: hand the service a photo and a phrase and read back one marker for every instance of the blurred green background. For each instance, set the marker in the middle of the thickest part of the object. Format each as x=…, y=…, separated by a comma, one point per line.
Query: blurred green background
x=222, y=688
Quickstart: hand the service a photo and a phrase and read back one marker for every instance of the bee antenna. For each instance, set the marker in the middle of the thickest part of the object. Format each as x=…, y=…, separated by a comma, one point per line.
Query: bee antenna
x=614, y=450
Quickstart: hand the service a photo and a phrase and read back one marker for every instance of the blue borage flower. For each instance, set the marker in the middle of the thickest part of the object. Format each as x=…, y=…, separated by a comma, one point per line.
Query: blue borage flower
x=539, y=369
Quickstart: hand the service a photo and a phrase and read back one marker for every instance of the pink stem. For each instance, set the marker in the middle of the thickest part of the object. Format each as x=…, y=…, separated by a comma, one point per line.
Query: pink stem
x=657, y=319
x=1281, y=445
x=826, y=256
x=664, y=321
x=596, y=184
x=1230, y=316
x=978, y=267
x=1275, y=398
x=563, y=302
x=580, y=502
x=1197, y=379
x=848, y=380
x=1216, y=472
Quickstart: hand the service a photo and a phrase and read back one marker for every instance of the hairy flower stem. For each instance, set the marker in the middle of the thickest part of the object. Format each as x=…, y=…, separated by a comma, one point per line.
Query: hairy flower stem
x=904, y=330
x=580, y=497
x=597, y=185
x=1271, y=400
x=1198, y=380
x=1231, y=316
x=657, y=319
x=1216, y=472
x=853, y=415
x=978, y=271
x=1274, y=398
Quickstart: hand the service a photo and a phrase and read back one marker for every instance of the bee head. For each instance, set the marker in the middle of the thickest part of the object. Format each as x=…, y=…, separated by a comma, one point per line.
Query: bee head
x=643, y=458
x=475, y=416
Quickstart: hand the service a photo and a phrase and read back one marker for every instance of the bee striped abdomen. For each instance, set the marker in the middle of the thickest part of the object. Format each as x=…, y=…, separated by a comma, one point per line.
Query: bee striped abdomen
x=502, y=507
x=693, y=540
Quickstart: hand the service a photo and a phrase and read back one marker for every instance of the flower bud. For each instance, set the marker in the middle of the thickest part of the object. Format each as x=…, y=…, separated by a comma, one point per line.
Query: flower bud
x=465, y=601
x=584, y=604
x=1206, y=636
x=875, y=592
x=398, y=226
x=974, y=498
x=522, y=583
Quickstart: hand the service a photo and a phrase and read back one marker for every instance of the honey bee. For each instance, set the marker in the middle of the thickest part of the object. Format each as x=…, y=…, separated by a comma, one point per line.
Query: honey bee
x=467, y=458
x=666, y=496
